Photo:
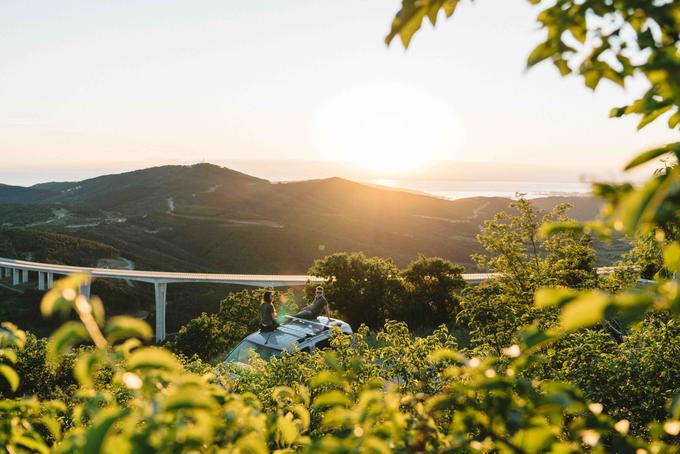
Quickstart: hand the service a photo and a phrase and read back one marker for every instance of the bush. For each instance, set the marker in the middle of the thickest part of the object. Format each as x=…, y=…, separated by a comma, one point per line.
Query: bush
x=371, y=290
x=361, y=289
x=633, y=379
x=211, y=335
x=430, y=292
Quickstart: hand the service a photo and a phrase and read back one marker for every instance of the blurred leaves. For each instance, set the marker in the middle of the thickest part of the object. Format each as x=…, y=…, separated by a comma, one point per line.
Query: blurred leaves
x=66, y=336
x=10, y=375
x=411, y=15
x=153, y=358
x=62, y=296
x=122, y=327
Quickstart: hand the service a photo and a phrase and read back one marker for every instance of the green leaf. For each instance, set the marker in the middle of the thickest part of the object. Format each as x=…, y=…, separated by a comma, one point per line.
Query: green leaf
x=127, y=346
x=252, y=443
x=153, y=358
x=84, y=369
x=286, y=429
x=442, y=355
x=592, y=78
x=653, y=154
x=637, y=205
x=375, y=445
x=540, y=53
x=10, y=375
x=410, y=17
x=560, y=227
x=433, y=12
x=65, y=337
x=300, y=411
x=618, y=112
x=584, y=311
x=11, y=336
x=73, y=281
x=32, y=444
x=53, y=301
x=9, y=355
x=96, y=435
x=449, y=7
x=549, y=297
x=534, y=439
x=653, y=115
x=533, y=337
x=332, y=399
x=579, y=33
x=563, y=67
x=675, y=406
x=122, y=327
x=674, y=120
x=405, y=24
x=188, y=400
x=631, y=305
x=671, y=257
x=326, y=378
x=53, y=426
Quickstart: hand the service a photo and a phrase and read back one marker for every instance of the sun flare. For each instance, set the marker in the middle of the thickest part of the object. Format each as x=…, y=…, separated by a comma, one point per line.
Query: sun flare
x=387, y=129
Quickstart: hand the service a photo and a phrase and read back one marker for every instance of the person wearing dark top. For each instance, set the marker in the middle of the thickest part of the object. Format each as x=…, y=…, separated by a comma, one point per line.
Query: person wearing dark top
x=267, y=313
x=319, y=306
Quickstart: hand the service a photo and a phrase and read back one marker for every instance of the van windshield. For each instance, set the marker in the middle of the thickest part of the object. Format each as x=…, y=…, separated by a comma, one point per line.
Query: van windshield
x=242, y=351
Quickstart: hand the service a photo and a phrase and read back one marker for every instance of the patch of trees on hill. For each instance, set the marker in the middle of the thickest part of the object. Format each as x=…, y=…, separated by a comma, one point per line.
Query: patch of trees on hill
x=54, y=248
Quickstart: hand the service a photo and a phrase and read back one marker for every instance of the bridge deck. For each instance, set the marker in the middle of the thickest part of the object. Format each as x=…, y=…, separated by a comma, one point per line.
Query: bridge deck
x=276, y=280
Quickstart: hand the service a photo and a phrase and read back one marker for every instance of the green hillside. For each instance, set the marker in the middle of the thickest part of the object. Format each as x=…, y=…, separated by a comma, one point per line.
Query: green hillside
x=205, y=217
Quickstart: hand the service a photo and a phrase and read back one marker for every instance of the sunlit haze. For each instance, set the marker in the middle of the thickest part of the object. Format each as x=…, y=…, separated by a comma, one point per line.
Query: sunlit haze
x=93, y=87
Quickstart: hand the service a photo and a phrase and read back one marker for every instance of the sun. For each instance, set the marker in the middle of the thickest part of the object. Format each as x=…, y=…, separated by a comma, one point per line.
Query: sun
x=387, y=129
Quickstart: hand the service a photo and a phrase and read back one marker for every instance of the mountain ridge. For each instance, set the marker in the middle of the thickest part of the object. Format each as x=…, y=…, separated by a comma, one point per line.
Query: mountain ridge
x=205, y=217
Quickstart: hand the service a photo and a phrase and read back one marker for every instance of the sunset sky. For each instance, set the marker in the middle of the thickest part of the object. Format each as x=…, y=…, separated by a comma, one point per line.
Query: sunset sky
x=88, y=87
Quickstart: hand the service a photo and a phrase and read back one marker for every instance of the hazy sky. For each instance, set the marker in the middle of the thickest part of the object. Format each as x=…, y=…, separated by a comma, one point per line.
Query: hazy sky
x=94, y=86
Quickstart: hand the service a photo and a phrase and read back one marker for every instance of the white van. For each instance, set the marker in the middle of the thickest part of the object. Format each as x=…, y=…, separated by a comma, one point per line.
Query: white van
x=305, y=335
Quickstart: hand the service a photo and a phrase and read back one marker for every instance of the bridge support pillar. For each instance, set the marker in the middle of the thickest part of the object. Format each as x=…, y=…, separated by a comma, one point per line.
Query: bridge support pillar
x=24, y=276
x=6, y=272
x=161, y=289
x=85, y=289
x=41, y=280
x=15, y=276
x=50, y=280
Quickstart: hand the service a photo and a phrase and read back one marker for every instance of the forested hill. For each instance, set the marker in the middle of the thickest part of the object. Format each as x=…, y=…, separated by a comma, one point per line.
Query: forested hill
x=209, y=218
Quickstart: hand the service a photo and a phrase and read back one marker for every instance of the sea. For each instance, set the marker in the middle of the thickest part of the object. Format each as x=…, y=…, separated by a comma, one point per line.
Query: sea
x=454, y=190
x=448, y=189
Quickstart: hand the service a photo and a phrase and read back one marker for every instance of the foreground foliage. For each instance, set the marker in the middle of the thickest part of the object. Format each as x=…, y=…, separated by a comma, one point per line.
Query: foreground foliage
x=405, y=395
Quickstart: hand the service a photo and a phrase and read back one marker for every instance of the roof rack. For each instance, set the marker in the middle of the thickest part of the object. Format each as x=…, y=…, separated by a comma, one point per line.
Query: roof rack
x=304, y=320
x=294, y=330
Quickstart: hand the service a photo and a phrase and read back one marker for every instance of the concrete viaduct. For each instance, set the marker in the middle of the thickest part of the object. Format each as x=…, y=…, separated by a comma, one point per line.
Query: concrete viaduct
x=19, y=271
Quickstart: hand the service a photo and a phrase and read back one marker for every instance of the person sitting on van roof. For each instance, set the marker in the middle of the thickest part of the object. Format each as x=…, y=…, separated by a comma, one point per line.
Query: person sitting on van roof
x=267, y=313
x=318, y=306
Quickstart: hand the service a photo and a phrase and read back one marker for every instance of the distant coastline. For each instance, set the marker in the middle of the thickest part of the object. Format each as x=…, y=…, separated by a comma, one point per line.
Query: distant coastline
x=454, y=190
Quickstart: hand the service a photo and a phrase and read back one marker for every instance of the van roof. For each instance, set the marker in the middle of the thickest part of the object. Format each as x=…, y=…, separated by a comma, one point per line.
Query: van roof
x=295, y=331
